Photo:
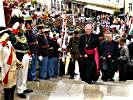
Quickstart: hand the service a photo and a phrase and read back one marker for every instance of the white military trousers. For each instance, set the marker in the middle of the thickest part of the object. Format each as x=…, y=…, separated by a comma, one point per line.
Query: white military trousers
x=22, y=74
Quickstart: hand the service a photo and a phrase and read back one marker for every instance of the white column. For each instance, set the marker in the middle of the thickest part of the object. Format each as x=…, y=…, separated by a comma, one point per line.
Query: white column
x=60, y=4
x=72, y=8
x=48, y=3
x=2, y=17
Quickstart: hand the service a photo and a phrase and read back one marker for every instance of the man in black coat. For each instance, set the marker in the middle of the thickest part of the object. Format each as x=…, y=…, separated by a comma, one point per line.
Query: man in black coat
x=43, y=49
x=88, y=48
x=109, y=55
x=33, y=47
x=73, y=47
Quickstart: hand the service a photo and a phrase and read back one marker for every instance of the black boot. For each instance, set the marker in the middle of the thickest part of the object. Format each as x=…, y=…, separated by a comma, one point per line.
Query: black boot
x=21, y=95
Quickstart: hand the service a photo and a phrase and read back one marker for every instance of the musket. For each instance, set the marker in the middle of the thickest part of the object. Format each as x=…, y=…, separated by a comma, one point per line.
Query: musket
x=64, y=29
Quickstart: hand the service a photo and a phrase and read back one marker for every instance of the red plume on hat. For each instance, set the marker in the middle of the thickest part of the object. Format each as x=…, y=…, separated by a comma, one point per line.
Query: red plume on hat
x=15, y=27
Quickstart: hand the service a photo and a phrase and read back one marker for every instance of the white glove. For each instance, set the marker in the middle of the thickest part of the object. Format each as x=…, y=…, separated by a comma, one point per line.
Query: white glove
x=63, y=59
x=40, y=58
x=59, y=49
x=85, y=55
x=30, y=59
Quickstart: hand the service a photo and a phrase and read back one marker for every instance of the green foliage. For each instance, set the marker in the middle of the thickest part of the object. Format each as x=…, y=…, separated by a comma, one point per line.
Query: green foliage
x=117, y=13
x=34, y=2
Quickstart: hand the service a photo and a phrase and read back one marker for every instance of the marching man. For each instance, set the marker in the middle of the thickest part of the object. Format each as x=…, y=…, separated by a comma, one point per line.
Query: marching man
x=89, y=55
x=19, y=42
x=8, y=64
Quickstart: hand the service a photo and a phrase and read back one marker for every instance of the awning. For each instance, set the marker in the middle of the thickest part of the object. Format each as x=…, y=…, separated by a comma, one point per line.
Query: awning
x=111, y=11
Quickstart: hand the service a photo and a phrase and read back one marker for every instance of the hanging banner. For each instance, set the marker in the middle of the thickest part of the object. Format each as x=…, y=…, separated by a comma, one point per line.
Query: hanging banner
x=2, y=17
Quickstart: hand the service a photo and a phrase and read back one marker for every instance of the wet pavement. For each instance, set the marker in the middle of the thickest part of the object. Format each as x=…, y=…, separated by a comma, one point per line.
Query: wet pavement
x=63, y=88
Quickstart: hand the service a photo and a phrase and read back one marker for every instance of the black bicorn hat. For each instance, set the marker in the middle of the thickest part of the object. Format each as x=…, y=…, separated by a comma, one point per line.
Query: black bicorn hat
x=17, y=16
x=29, y=21
x=4, y=30
x=15, y=19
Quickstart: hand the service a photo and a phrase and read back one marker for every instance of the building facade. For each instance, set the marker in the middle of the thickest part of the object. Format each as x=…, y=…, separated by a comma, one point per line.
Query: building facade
x=57, y=5
x=104, y=6
x=109, y=3
x=129, y=7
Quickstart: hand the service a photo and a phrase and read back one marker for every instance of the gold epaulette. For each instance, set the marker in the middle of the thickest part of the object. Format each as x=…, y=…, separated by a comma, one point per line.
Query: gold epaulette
x=21, y=39
x=30, y=18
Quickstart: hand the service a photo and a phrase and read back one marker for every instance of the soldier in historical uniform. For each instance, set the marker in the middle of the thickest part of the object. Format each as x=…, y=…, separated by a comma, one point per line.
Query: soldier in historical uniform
x=8, y=64
x=16, y=16
x=20, y=44
x=73, y=47
x=88, y=47
x=51, y=54
x=33, y=46
x=56, y=55
x=43, y=48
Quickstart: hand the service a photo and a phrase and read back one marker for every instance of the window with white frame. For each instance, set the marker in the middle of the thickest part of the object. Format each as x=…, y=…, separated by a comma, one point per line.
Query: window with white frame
x=117, y=1
x=53, y=3
x=58, y=5
x=130, y=6
x=62, y=5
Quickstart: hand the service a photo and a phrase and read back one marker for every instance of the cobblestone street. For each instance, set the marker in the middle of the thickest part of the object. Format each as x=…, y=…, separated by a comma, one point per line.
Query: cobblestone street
x=62, y=88
x=66, y=49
